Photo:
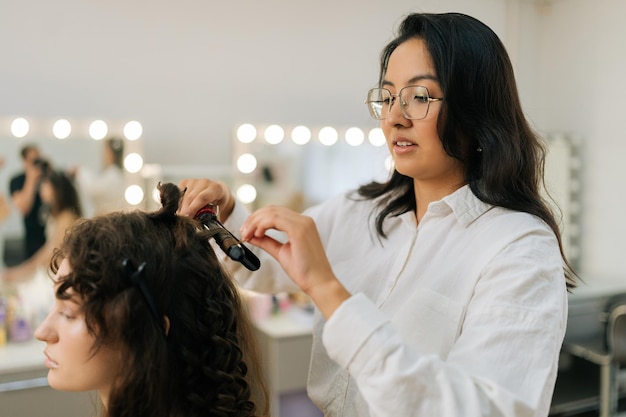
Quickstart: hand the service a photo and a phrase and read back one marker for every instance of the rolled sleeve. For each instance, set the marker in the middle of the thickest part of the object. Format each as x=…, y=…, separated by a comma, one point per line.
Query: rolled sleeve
x=350, y=327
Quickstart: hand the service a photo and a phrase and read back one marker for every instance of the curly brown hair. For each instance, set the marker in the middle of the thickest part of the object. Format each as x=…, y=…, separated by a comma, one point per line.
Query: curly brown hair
x=206, y=363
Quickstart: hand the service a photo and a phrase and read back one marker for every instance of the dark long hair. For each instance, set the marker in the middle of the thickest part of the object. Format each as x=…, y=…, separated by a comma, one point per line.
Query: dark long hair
x=65, y=193
x=481, y=110
x=204, y=363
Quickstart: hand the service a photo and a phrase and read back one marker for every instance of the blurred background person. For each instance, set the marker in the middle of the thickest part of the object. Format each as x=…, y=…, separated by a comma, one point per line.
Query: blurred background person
x=4, y=205
x=61, y=208
x=103, y=190
x=5, y=210
x=24, y=189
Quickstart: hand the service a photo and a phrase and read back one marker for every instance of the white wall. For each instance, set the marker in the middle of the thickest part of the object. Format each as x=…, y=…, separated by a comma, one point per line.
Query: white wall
x=580, y=85
x=192, y=70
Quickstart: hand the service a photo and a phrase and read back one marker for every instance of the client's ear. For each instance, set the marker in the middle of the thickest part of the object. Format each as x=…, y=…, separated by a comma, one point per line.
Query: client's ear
x=166, y=324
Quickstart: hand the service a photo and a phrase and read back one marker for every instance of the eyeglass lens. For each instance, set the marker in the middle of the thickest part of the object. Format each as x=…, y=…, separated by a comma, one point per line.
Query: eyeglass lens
x=414, y=102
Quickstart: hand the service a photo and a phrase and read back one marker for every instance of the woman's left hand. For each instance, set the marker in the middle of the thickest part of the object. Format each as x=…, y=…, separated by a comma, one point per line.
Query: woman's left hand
x=302, y=257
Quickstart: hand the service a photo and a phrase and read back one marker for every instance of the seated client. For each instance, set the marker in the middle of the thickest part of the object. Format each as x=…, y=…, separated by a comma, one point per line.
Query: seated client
x=145, y=315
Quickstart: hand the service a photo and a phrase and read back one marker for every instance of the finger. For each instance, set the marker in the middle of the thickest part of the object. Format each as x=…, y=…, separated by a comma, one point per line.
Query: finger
x=198, y=193
x=191, y=191
x=260, y=221
x=274, y=217
x=268, y=244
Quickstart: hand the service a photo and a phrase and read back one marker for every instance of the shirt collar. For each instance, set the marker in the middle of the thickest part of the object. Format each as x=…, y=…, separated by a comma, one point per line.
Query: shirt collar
x=463, y=203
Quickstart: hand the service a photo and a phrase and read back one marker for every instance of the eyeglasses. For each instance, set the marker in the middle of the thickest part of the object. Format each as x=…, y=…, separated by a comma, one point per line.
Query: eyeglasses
x=414, y=102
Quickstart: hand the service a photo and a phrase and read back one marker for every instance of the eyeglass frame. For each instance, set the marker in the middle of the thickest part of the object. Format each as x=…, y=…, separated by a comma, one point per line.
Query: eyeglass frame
x=402, y=103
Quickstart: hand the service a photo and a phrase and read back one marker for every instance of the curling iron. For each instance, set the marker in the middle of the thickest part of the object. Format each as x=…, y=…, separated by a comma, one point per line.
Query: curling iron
x=235, y=250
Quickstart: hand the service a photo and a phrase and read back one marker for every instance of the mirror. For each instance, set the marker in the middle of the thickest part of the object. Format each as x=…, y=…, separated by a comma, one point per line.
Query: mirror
x=62, y=154
x=302, y=175
x=77, y=149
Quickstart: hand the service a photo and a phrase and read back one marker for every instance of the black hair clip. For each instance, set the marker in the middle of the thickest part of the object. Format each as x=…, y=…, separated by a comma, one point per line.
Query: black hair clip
x=235, y=250
x=136, y=277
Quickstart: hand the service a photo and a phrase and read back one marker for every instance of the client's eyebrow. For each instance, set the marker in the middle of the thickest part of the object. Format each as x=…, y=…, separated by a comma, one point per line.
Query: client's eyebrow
x=68, y=295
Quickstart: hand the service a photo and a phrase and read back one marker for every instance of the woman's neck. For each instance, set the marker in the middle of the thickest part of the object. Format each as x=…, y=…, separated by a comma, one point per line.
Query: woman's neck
x=426, y=193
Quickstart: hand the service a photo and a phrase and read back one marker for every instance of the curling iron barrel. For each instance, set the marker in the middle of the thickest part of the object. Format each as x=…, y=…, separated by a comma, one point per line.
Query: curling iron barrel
x=235, y=250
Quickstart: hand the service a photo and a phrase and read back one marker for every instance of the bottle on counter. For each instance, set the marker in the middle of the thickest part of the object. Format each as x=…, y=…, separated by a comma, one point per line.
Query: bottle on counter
x=19, y=325
x=21, y=330
x=3, y=321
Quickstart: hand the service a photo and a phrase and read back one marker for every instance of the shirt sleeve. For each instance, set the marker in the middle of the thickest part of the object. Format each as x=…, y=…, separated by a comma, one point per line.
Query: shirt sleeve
x=503, y=362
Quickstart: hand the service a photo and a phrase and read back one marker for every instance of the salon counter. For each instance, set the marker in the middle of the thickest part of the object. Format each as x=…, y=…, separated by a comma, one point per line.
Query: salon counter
x=24, y=389
x=19, y=357
x=285, y=342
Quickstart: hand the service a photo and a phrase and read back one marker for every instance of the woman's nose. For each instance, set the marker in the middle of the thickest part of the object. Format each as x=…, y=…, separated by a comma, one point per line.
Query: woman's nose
x=44, y=332
x=395, y=116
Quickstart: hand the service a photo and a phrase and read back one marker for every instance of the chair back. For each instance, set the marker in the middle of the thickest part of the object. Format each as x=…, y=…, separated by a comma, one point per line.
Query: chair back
x=616, y=332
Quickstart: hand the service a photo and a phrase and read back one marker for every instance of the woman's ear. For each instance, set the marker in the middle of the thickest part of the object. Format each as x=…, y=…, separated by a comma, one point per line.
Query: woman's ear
x=166, y=324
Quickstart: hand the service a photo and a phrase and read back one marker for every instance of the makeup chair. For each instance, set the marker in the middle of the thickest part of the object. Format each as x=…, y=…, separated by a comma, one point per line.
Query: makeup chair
x=607, y=351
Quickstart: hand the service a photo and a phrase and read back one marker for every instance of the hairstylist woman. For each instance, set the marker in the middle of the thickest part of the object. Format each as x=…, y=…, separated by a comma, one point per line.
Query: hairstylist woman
x=442, y=291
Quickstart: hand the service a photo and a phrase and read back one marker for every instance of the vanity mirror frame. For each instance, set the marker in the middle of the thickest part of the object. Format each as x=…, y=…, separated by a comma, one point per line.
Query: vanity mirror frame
x=564, y=187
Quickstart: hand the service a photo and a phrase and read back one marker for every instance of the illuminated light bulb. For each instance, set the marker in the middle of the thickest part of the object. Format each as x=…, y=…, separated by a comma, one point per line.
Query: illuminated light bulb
x=133, y=130
x=20, y=127
x=301, y=135
x=98, y=129
x=133, y=194
x=376, y=137
x=274, y=134
x=61, y=129
x=246, y=133
x=328, y=136
x=354, y=136
x=246, y=193
x=133, y=162
x=246, y=163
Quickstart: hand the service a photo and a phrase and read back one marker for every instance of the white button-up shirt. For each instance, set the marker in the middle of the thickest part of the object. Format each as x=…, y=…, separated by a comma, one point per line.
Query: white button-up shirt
x=462, y=314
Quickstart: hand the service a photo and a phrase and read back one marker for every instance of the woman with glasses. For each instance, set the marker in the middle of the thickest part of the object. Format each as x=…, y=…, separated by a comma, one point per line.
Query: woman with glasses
x=442, y=291
x=145, y=315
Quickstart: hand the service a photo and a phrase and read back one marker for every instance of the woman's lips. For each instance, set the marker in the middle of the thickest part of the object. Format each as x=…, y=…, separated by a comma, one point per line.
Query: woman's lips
x=49, y=362
x=401, y=146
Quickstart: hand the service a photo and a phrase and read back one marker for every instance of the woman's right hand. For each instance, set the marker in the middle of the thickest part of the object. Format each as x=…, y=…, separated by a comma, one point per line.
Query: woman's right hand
x=200, y=192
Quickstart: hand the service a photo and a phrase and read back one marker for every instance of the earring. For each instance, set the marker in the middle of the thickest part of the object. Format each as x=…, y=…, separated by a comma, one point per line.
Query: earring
x=479, y=149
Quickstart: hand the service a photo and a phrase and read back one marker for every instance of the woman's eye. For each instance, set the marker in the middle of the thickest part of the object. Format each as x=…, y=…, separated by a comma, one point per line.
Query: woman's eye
x=67, y=314
x=420, y=98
